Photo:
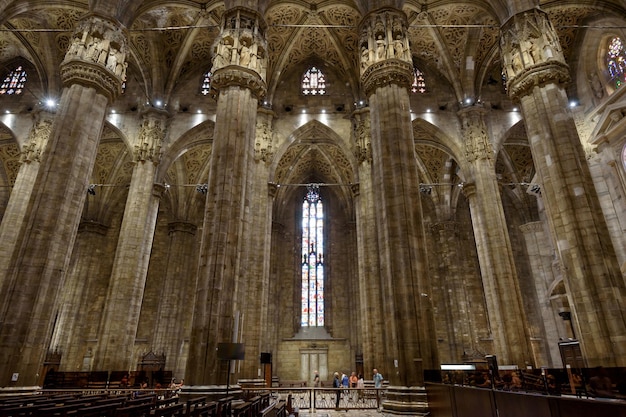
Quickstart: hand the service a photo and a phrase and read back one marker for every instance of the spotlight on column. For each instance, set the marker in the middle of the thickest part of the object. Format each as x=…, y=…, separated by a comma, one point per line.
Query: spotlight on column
x=91, y=190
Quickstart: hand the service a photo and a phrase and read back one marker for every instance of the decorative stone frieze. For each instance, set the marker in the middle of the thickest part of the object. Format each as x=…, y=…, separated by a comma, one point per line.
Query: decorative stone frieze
x=531, y=52
x=238, y=76
x=37, y=139
x=96, y=57
x=90, y=226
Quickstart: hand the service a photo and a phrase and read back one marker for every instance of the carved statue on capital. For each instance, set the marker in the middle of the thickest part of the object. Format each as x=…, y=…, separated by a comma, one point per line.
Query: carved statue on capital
x=383, y=37
x=97, y=55
x=529, y=45
x=241, y=43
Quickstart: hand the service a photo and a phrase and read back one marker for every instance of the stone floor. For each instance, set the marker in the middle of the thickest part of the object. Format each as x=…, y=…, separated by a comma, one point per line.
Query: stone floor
x=350, y=413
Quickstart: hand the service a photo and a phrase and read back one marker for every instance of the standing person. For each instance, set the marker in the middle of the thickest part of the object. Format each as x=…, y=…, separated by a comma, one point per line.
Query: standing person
x=337, y=385
x=345, y=382
x=353, y=380
x=378, y=378
x=316, y=379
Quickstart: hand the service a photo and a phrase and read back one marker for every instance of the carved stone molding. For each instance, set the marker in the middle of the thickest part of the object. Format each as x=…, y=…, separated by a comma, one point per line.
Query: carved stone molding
x=236, y=76
x=384, y=73
x=91, y=75
x=444, y=226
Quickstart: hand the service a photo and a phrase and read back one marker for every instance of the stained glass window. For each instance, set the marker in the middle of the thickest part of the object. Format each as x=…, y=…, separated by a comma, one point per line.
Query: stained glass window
x=206, y=83
x=312, y=259
x=313, y=82
x=419, y=84
x=616, y=61
x=14, y=82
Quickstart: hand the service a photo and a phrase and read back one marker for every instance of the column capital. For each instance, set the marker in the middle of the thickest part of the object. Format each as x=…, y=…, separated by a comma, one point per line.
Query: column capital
x=531, y=227
x=385, y=53
x=390, y=71
x=531, y=52
x=92, y=226
x=469, y=190
x=96, y=56
x=181, y=226
x=240, y=52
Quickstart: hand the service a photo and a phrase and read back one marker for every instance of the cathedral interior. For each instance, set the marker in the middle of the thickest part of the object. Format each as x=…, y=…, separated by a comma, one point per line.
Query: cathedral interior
x=335, y=185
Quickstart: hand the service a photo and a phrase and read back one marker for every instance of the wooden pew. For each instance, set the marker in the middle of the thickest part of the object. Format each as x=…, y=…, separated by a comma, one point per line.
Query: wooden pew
x=102, y=410
x=138, y=410
x=173, y=410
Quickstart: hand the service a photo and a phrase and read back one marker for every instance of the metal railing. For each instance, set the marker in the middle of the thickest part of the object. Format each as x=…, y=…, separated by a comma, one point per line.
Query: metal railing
x=312, y=399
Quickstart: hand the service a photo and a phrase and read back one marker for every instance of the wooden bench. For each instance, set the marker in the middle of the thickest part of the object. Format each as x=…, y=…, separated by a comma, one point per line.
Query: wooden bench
x=102, y=410
x=139, y=410
x=204, y=410
x=169, y=411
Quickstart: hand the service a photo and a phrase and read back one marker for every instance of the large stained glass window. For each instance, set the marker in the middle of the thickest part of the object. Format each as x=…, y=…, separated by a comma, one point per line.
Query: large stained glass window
x=616, y=61
x=313, y=82
x=14, y=82
x=312, y=259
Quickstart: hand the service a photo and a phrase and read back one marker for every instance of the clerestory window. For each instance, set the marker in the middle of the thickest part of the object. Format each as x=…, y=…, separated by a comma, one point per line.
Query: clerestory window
x=205, y=88
x=14, y=82
x=616, y=61
x=313, y=82
x=419, y=84
x=312, y=259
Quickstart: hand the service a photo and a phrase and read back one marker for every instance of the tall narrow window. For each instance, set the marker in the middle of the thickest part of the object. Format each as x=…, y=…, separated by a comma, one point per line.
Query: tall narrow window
x=419, y=84
x=206, y=83
x=14, y=81
x=616, y=61
x=312, y=259
x=313, y=82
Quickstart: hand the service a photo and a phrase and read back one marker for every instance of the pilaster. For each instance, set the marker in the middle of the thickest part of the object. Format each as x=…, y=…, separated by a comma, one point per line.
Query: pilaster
x=536, y=73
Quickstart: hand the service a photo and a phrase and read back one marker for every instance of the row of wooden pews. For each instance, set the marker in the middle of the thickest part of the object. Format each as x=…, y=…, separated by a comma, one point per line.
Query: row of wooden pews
x=260, y=406
x=136, y=405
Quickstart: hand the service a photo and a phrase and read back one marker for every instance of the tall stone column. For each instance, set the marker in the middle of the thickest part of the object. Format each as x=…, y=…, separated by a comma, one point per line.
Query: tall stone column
x=373, y=321
x=173, y=323
x=502, y=294
x=34, y=265
x=253, y=276
x=238, y=76
x=408, y=335
x=536, y=74
x=120, y=317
